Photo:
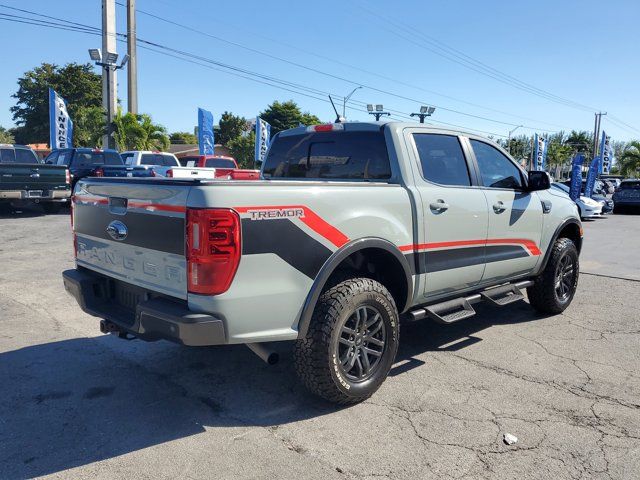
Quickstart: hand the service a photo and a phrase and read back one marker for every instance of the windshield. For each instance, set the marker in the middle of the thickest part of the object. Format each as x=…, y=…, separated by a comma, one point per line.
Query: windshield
x=335, y=155
x=219, y=163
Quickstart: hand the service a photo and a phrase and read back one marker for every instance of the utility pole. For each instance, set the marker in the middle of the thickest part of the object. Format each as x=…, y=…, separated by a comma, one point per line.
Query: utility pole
x=596, y=132
x=109, y=78
x=132, y=69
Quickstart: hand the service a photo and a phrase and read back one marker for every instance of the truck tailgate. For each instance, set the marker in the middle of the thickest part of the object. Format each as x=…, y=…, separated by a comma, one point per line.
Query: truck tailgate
x=32, y=176
x=133, y=230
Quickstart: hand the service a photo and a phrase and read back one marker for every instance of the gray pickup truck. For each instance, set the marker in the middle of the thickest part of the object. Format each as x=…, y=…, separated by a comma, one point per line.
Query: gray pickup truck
x=351, y=228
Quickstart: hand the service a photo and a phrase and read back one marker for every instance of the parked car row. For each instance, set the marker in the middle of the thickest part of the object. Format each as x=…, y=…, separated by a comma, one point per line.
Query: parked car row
x=26, y=179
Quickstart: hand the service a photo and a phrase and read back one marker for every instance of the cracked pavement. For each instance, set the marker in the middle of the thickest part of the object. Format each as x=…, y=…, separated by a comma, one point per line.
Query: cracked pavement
x=78, y=404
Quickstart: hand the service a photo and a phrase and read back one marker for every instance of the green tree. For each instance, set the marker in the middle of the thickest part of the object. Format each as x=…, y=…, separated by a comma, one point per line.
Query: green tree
x=580, y=142
x=629, y=161
x=242, y=148
x=284, y=115
x=138, y=132
x=230, y=127
x=6, y=136
x=183, y=138
x=76, y=83
x=89, y=126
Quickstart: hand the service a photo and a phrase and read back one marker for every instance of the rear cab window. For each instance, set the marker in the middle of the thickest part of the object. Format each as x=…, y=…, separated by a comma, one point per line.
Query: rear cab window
x=26, y=155
x=629, y=186
x=335, y=155
x=219, y=163
x=128, y=158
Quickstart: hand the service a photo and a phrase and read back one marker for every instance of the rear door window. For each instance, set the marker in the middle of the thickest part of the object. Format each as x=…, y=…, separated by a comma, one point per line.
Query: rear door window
x=336, y=155
x=442, y=159
x=7, y=155
x=25, y=155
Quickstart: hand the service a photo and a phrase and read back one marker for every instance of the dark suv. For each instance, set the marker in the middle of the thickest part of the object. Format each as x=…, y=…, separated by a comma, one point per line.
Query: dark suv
x=627, y=195
x=83, y=162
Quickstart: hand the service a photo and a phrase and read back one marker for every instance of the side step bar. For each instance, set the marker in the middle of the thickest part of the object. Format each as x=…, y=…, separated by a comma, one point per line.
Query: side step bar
x=458, y=309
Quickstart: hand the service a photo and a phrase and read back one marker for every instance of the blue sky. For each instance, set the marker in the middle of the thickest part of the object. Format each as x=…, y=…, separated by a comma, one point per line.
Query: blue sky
x=585, y=52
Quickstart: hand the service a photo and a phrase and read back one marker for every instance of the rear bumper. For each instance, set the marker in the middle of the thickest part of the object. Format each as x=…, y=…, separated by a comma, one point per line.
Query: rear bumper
x=152, y=319
x=47, y=195
x=627, y=202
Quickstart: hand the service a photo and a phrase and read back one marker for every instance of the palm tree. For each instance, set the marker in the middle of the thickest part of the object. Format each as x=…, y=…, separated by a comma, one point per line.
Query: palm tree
x=154, y=136
x=630, y=158
x=138, y=132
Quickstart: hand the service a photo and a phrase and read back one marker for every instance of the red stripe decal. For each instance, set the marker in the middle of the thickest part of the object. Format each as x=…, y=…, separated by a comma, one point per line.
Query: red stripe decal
x=309, y=218
x=530, y=245
x=132, y=204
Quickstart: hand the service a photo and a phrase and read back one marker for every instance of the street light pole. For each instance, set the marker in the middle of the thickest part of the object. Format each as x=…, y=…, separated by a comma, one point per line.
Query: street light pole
x=345, y=100
x=509, y=138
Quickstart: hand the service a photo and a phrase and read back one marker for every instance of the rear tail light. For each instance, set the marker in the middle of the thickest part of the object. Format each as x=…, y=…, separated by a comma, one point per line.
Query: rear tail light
x=67, y=177
x=213, y=250
x=99, y=172
x=170, y=173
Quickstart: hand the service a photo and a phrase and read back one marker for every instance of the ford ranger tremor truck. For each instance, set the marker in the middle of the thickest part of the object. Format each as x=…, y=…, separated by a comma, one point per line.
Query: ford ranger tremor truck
x=84, y=162
x=24, y=179
x=351, y=226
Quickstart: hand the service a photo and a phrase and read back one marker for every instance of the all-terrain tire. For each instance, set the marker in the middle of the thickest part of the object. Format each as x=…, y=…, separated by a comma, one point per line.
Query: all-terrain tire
x=317, y=355
x=544, y=295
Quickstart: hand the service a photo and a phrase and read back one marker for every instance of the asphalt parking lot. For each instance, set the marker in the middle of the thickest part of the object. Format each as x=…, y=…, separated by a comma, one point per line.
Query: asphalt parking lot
x=78, y=404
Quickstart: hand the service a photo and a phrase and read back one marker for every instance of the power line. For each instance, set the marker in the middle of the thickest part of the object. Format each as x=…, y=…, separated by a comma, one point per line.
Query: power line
x=456, y=56
x=400, y=82
x=337, y=77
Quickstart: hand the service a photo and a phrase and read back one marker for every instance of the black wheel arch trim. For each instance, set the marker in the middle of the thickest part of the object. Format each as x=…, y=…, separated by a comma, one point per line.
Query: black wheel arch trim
x=336, y=259
x=555, y=236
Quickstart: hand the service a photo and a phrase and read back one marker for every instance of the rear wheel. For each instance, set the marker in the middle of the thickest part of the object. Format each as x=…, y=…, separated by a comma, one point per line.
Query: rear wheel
x=555, y=287
x=351, y=343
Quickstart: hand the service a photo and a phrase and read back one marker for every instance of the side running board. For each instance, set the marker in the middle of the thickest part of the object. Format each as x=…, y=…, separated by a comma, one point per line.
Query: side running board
x=457, y=309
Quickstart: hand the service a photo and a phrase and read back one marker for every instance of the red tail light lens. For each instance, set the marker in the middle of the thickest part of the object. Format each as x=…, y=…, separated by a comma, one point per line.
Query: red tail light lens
x=213, y=250
x=99, y=172
x=67, y=177
x=170, y=173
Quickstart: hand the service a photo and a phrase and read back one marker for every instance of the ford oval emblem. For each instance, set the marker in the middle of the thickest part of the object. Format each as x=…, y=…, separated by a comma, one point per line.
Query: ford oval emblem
x=117, y=230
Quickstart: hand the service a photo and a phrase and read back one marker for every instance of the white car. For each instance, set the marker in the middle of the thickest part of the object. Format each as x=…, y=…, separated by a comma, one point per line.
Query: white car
x=587, y=207
x=159, y=162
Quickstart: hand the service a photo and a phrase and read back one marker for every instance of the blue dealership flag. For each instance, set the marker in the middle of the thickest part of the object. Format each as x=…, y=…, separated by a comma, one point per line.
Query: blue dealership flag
x=576, y=176
x=606, y=152
x=540, y=155
x=205, y=132
x=263, y=138
x=591, y=177
x=60, y=124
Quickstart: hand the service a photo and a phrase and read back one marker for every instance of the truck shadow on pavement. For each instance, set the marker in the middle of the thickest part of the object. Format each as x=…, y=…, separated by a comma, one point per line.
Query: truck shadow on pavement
x=73, y=402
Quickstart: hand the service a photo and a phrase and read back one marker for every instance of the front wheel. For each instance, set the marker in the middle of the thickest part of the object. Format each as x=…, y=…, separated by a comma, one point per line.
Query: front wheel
x=555, y=287
x=351, y=342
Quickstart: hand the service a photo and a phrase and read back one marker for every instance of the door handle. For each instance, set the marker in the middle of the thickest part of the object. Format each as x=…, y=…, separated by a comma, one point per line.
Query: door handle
x=439, y=206
x=499, y=207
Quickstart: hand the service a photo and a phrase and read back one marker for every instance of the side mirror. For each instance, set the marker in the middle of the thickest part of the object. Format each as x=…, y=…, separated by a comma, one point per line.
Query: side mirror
x=538, y=180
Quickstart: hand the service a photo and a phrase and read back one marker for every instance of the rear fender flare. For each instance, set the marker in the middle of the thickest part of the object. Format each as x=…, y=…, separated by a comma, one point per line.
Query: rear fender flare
x=335, y=260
